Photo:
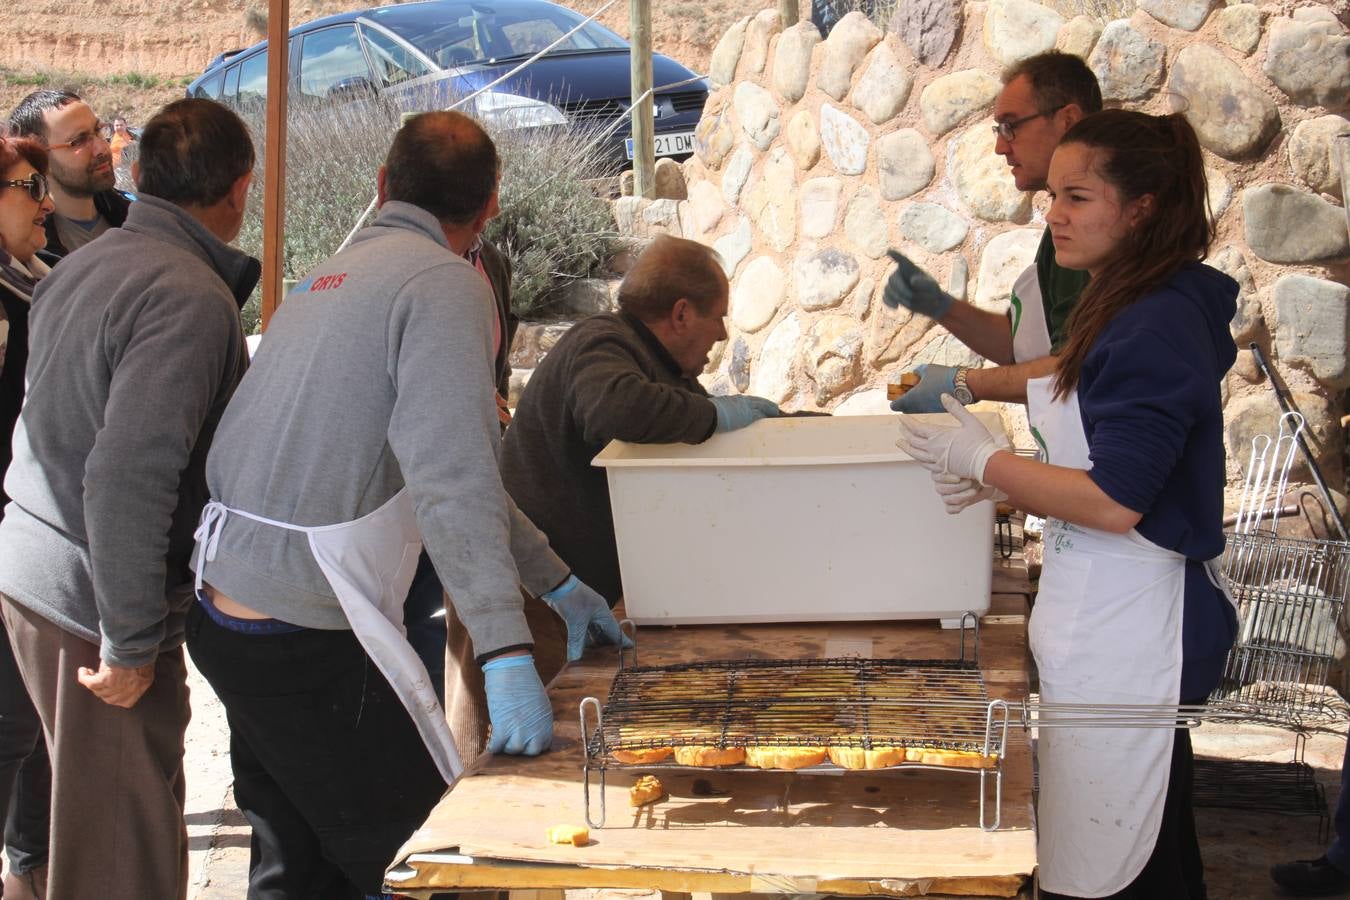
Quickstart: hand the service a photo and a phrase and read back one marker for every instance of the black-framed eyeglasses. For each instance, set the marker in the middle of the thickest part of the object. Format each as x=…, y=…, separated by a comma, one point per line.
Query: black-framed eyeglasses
x=36, y=184
x=1008, y=130
x=82, y=141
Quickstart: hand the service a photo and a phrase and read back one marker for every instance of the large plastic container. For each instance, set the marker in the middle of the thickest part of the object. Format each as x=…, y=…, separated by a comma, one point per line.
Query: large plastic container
x=793, y=520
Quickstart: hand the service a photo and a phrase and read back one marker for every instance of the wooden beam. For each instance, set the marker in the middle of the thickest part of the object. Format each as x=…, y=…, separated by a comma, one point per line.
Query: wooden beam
x=787, y=13
x=274, y=155
x=644, y=126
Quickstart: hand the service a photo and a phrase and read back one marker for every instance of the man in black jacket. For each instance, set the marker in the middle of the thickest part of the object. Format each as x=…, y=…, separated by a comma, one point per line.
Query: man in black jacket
x=81, y=169
x=631, y=376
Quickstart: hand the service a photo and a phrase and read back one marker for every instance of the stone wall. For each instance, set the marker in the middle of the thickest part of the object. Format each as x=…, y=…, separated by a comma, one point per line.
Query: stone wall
x=814, y=156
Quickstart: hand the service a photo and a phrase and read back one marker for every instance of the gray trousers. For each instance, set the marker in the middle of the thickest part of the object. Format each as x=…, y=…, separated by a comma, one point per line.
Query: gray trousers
x=117, y=829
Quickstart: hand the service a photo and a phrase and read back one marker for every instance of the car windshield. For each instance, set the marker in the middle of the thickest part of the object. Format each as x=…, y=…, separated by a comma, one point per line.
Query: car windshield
x=485, y=33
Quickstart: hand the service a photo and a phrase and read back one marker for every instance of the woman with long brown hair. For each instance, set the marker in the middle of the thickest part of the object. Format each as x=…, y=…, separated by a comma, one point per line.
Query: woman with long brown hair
x=1130, y=427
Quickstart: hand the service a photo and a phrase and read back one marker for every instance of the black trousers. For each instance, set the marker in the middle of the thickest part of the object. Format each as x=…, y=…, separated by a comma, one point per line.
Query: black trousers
x=1174, y=870
x=328, y=766
x=25, y=772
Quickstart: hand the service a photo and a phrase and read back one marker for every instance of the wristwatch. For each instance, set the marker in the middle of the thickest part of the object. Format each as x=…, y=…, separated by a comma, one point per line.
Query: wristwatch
x=962, y=392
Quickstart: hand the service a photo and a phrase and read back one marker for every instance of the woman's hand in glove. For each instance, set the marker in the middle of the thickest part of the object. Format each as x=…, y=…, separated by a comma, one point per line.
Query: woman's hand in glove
x=963, y=451
x=518, y=707
x=958, y=493
x=586, y=613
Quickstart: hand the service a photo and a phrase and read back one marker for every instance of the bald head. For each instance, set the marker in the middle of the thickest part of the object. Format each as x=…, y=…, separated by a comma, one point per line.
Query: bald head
x=669, y=269
x=445, y=163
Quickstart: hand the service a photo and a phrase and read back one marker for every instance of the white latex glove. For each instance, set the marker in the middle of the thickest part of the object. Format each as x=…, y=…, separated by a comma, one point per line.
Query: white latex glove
x=963, y=450
x=958, y=493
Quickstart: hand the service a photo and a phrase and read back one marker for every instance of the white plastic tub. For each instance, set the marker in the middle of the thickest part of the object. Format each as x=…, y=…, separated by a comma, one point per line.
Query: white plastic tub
x=810, y=519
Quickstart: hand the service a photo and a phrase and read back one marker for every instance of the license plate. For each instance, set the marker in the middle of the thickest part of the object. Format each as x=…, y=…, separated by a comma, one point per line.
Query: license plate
x=672, y=144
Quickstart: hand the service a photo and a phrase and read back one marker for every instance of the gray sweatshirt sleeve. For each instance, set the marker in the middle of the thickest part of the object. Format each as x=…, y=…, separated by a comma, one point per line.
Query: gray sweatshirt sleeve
x=540, y=568
x=167, y=364
x=445, y=434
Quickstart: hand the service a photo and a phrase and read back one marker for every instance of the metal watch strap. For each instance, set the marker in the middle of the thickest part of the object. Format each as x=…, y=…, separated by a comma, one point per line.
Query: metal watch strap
x=962, y=392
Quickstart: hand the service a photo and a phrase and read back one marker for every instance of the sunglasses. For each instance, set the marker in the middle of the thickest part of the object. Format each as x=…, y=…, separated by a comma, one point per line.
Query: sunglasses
x=36, y=184
x=103, y=131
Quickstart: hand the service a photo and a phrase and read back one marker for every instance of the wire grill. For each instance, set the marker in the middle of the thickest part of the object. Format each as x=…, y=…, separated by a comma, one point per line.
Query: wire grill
x=1291, y=596
x=864, y=703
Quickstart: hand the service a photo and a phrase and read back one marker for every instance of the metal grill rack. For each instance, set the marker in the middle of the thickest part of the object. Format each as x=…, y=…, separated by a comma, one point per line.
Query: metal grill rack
x=1287, y=789
x=860, y=703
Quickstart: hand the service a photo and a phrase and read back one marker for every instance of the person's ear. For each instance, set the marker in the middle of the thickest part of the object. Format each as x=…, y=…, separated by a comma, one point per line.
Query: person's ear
x=238, y=194
x=680, y=314
x=381, y=187
x=1141, y=210
x=1068, y=116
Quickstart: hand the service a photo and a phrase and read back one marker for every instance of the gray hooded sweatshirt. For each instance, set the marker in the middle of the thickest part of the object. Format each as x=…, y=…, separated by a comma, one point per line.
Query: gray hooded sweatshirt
x=134, y=350
x=376, y=373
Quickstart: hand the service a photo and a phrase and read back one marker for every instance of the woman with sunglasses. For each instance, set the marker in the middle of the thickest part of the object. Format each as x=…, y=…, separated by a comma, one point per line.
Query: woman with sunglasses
x=1130, y=608
x=25, y=775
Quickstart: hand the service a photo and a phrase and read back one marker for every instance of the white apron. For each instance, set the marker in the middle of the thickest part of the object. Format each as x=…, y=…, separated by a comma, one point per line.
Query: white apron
x=1106, y=628
x=370, y=563
x=1030, y=333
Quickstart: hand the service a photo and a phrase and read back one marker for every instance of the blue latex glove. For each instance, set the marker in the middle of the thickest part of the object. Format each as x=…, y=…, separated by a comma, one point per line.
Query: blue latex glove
x=913, y=288
x=588, y=617
x=518, y=707
x=740, y=410
x=926, y=396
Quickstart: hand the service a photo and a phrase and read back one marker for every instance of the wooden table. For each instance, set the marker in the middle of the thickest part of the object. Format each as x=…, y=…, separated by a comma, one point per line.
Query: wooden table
x=899, y=833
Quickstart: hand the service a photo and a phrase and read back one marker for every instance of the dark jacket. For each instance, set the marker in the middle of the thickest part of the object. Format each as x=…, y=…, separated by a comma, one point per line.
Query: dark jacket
x=1149, y=398
x=111, y=205
x=498, y=269
x=13, y=361
x=607, y=378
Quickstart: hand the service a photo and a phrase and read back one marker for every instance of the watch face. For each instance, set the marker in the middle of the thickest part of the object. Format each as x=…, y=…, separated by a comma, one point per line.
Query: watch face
x=963, y=395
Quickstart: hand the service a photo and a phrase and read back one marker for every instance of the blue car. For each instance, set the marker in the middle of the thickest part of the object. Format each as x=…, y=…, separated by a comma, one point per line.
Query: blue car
x=426, y=55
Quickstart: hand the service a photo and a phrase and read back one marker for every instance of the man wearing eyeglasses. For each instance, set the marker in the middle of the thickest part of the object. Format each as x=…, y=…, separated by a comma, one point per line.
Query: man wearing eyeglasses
x=1043, y=96
x=82, y=174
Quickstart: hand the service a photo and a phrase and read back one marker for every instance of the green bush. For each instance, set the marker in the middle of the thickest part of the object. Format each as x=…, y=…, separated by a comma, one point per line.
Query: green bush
x=552, y=225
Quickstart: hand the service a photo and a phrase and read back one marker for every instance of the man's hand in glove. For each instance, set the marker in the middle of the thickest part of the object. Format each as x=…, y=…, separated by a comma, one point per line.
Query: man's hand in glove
x=518, y=707
x=740, y=410
x=914, y=289
x=926, y=396
x=962, y=451
x=586, y=614
x=959, y=493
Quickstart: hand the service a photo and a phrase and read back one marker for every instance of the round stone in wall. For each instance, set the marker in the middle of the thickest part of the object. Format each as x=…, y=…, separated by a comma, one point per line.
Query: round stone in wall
x=1004, y=258
x=1231, y=116
x=823, y=278
x=1259, y=413
x=1310, y=153
x=1286, y=225
x=734, y=246
x=803, y=139
x=738, y=369
x=1016, y=29
x=1078, y=36
x=713, y=138
x=865, y=223
x=932, y=226
x=792, y=60
x=849, y=41
x=737, y=170
x=928, y=27
x=831, y=352
x=951, y=99
x=1219, y=192
x=1127, y=63
x=1239, y=26
x=1308, y=56
x=722, y=66
x=772, y=375
x=905, y=165
x=982, y=179
x=763, y=27
x=1312, y=323
x=819, y=198
x=706, y=203
x=1248, y=317
x=1188, y=15
x=757, y=113
x=772, y=200
x=757, y=294
x=885, y=83
x=844, y=139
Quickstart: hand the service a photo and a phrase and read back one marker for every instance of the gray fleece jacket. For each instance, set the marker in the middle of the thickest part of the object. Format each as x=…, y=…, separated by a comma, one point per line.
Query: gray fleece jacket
x=377, y=372
x=134, y=350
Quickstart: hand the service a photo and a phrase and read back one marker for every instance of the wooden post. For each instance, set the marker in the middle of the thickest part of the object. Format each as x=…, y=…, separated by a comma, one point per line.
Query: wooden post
x=274, y=155
x=787, y=13
x=644, y=125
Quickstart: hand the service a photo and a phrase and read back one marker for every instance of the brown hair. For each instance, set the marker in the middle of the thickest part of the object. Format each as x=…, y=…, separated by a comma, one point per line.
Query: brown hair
x=445, y=163
x=1140, y=154
x=1058, y=79
x=13, y=149
x=669, y=269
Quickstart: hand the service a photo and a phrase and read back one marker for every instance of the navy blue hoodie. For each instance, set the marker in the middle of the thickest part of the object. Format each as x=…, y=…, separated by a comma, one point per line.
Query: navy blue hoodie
x=1149, y=398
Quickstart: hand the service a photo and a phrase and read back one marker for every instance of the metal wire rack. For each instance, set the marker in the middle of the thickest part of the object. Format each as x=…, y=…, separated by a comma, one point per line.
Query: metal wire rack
x=1287, y=789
